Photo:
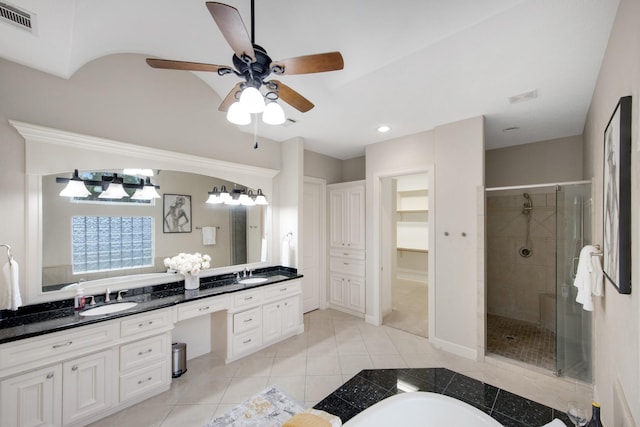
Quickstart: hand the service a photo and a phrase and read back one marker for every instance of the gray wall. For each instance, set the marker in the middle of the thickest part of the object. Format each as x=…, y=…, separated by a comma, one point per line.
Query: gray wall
x=617, y=317
x=556, y=160
x=333, y=170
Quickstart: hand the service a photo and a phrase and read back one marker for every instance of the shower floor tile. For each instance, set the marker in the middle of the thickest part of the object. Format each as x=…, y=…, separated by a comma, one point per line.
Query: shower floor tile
x=522, y=341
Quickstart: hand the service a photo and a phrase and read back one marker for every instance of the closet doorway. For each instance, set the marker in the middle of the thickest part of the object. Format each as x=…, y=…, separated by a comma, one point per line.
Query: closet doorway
x=405, y=250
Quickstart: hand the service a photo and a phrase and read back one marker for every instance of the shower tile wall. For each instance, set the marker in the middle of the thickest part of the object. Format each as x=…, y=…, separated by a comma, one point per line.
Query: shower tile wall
x=521, y=288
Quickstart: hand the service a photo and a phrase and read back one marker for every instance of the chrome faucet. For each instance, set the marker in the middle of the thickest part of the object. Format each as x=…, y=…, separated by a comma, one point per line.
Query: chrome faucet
x=107, y=298
x=120, y=292
x=246, y=270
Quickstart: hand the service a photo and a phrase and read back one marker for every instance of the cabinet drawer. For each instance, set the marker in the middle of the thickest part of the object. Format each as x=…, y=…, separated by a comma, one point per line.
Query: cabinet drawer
x=246, y=342
x=347, y=266
x=247, y=298
x=144, y=352
x=143, y=381
x=58, y=345
x=346, y=253
x=282, y=290
x=246, y=320
x=199, y=308
x=151, y=322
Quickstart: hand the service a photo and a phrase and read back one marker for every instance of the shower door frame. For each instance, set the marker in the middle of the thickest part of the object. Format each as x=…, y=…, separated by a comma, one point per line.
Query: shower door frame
x=560, y=371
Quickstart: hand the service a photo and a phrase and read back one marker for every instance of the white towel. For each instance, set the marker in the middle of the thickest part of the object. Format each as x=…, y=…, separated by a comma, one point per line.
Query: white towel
x=10, y=286
x=588, y=277
x=555, y=423
x=208, y=236
x=286, y=253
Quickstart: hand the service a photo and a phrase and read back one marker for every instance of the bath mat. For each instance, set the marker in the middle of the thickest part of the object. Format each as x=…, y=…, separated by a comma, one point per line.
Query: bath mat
x=269, y=408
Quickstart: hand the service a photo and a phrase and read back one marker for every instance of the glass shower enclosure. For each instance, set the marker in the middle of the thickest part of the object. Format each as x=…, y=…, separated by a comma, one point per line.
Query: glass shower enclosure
x=573, y=323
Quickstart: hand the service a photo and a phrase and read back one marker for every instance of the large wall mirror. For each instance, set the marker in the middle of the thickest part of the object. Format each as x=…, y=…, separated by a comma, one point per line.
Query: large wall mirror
x=85, y=239
x=242, y=237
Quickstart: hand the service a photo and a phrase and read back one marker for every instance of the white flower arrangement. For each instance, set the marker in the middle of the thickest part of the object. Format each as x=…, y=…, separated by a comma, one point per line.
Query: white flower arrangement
x=188, y=263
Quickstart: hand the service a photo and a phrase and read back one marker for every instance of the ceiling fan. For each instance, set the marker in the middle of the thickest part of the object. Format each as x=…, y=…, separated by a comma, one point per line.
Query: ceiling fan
x=252, y=63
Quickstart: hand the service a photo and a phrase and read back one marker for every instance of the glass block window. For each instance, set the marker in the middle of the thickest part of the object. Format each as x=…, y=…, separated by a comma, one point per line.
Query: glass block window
x=102, y=243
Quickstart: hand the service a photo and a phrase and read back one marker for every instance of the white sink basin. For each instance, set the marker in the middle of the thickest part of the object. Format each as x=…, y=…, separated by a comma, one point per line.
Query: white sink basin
x=108, y=309
x=253, y=280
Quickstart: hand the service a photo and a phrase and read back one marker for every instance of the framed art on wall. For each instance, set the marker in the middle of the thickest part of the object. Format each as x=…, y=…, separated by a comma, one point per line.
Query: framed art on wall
x=176, y=213
x=617, y=197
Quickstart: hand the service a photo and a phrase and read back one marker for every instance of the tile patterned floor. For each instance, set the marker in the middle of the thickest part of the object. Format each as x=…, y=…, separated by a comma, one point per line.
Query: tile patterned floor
x=310, y=366
x=523, y=341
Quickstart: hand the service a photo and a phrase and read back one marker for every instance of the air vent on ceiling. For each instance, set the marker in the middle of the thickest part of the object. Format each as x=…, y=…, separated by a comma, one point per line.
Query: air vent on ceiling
x=289, y=122
x=15, y=16
x=525, y=96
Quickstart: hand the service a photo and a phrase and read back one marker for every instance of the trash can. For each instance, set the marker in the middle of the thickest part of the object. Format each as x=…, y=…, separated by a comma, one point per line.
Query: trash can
x=179, y=364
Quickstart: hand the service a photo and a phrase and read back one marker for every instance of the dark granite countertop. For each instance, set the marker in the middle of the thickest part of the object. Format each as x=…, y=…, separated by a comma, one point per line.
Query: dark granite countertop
x=40, y=319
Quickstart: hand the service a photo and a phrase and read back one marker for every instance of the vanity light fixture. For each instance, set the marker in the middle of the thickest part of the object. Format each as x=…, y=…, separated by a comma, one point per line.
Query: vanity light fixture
x=112, y=187
x=138, y=172
x=75, y=187
x=115, y=190
x=146, y=191
x=238, y=197
x=260, y=198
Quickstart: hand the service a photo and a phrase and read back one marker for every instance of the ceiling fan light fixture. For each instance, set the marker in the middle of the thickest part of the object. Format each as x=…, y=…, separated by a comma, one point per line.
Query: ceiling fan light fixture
x=273, y=114
x=252, y=100
x=238, y=115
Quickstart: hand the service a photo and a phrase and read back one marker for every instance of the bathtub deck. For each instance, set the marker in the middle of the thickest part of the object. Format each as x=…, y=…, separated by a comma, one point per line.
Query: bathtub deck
x=372, y=385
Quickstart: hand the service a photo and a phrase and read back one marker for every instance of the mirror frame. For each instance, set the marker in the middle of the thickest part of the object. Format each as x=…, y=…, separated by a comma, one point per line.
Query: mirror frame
x=53, y=151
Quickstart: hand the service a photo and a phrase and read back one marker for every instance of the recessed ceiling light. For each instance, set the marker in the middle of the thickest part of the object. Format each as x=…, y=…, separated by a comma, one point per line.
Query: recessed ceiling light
x=384, y=128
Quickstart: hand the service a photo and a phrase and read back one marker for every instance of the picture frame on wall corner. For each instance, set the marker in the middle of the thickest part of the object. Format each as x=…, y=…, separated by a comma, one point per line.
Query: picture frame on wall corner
x=617, y=197
x=176, y=213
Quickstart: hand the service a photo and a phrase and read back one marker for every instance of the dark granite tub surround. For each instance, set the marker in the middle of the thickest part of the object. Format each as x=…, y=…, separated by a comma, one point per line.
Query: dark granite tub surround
x=371, y=386
x=38, y=319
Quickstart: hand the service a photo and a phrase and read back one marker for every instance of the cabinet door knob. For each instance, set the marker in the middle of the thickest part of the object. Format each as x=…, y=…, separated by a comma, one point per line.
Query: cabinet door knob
x=50, y=375
x=74, y=368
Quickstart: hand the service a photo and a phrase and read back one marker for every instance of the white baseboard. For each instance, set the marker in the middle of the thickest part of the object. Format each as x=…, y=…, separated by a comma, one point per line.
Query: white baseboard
x=457, y=349
x=372, y=320
x=412, y=275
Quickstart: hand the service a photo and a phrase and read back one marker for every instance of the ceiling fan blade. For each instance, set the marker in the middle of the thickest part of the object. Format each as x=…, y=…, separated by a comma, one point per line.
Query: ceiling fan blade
x=184, y=65
x=229, y=99
x=230, y=23
x=293, y=98
x=317, y=63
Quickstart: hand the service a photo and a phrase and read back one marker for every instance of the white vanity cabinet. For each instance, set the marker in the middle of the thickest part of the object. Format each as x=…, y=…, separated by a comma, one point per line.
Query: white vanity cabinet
x=33, y=398
x=57, y=379
x=263, y=316
x=74, y=377
x=87, y=386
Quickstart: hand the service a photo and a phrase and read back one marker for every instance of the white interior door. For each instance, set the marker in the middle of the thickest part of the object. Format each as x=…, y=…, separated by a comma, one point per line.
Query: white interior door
x=313, y=243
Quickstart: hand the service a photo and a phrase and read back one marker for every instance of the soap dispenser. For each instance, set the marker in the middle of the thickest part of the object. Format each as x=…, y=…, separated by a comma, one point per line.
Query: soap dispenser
x=79, y=300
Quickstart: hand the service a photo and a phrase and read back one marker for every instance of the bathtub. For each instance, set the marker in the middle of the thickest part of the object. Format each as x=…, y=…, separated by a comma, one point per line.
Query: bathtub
x=423, y=409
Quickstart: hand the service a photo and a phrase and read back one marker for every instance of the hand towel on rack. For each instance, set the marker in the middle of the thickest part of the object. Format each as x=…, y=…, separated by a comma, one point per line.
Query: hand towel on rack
x=10, y=298
x=208, y=236
x=588, y=277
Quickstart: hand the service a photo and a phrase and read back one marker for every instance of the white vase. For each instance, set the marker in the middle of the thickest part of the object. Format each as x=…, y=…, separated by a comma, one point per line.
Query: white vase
x=191, y=281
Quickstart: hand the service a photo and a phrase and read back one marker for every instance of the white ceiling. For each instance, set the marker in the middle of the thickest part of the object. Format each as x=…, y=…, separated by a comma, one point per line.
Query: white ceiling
x=411, y=64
